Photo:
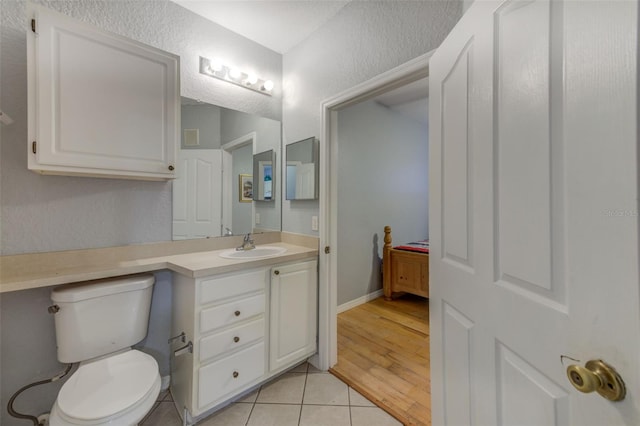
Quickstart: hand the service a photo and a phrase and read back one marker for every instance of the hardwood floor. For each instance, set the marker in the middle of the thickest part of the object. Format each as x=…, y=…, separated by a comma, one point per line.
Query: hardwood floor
x=383, y=353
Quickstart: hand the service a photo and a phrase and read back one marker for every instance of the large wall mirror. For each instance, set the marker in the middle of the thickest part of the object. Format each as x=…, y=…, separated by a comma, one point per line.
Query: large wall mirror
x=302, y=170
x=212, y=195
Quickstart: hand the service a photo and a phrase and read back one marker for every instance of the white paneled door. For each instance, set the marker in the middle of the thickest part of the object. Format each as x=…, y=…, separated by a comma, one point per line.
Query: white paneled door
x=197, y=194
x=534, y=224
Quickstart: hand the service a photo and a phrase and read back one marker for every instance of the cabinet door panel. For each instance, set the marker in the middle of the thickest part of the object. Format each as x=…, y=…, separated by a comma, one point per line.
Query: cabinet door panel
x=100, y=104
x=293, y=322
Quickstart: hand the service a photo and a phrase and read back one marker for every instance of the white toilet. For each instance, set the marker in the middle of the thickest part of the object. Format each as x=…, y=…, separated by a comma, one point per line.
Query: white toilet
x=96, y=324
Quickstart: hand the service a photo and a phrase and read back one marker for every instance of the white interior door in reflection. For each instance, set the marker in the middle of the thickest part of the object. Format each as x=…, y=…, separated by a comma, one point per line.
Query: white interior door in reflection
x=197, y=193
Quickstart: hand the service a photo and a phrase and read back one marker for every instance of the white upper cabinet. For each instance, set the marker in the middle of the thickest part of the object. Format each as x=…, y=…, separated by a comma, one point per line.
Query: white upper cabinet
x=100, y=104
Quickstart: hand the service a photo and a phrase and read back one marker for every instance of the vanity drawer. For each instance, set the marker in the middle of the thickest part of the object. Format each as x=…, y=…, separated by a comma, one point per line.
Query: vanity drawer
x=227, y=340
x=229, y=374
x=230, y=313
x=220, y=288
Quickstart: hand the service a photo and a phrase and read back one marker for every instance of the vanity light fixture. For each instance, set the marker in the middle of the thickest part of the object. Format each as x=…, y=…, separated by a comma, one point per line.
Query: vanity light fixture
x=215, y=68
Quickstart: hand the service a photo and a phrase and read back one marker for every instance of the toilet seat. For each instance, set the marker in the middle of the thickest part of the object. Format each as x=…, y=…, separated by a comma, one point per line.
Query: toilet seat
x=118, y=389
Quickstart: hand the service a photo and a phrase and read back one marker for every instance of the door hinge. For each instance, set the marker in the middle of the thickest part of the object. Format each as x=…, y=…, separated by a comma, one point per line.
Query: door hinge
x=33, y=25
x=34, y=146
x=327, y=249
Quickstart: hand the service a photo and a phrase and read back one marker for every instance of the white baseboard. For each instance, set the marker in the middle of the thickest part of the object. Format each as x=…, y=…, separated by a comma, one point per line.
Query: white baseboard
x=359, y=301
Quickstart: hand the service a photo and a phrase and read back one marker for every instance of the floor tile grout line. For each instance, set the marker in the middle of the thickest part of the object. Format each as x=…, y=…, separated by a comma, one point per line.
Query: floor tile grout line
x=253, y=405
x=349, y=400
x=304, y=389
x=155, y=407
x=295, y=403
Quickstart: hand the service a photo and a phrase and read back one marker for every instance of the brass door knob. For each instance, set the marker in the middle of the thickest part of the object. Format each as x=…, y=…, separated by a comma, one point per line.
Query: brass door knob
x=597, y=376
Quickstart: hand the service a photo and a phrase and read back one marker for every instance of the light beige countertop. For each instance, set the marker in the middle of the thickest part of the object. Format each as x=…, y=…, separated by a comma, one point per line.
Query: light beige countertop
x=193, y=258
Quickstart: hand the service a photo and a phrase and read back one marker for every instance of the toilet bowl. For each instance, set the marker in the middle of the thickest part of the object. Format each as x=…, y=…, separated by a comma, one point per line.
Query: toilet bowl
x=116, y=390
x=97, y=323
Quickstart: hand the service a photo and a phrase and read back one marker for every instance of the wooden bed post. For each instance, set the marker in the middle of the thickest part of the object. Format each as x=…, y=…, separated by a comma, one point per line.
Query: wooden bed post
x=386, y=264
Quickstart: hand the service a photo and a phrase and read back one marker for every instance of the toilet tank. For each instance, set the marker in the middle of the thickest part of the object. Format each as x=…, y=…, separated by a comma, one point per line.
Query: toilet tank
x=99, y=317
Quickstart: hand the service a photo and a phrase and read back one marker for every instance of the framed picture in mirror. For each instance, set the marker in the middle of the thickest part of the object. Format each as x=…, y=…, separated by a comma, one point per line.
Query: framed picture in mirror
x=245, y=188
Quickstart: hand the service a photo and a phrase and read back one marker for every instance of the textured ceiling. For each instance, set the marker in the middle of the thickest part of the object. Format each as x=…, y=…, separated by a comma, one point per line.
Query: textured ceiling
x=278, y=25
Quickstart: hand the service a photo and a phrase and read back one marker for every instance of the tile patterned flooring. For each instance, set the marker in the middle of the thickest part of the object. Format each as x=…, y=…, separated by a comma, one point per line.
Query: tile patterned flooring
x=304, y=396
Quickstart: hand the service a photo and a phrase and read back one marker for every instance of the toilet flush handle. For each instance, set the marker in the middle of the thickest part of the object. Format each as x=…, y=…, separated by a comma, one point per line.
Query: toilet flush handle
x=53, y=309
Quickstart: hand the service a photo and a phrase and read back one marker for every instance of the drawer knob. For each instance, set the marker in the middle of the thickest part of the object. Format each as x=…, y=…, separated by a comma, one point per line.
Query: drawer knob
x=276, y=272
x=236, y=313
x=171, y=168
x=235, y=374
x=236, y=339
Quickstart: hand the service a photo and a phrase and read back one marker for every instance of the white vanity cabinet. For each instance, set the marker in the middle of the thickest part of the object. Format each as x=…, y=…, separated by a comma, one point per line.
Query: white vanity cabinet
x=100, y=104
x=293, y=315
x=244, y=327
x=223, y=316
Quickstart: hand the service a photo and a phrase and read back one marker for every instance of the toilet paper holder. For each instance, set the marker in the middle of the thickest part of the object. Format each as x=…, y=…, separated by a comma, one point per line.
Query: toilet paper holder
x=182, y=337
x=186, y=349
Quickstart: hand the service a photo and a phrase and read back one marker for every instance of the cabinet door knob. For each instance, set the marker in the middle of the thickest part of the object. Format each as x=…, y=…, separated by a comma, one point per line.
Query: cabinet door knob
x=236, y=313
x=236, y=339
x=276, y=272
x=235, y=374
x=171, y=168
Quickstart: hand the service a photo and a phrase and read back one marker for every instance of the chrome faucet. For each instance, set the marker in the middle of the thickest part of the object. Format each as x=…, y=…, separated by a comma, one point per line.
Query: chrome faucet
x=227, y=232
x=247, y=243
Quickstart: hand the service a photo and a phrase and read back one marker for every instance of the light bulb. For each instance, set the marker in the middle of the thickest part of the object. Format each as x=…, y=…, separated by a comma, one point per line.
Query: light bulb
x=252, y=79
x=216, y=66
x=268, y=85
x=234, y=73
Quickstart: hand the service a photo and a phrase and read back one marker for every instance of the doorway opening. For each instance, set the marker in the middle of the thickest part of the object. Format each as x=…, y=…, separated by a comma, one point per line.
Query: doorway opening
x=237, y=160
x=330, y=295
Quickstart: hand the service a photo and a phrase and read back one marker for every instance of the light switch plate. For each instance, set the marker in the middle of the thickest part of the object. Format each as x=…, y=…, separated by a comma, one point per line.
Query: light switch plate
x=257, y=218
x=314, y=223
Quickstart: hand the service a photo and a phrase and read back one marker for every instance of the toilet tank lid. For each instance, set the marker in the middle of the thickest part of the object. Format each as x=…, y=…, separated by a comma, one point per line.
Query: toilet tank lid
x=98, y=288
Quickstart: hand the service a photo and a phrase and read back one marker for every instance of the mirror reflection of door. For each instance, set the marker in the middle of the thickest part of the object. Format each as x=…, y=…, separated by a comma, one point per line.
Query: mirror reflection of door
x=300, y=180
x=196, y=194
x=302, y=170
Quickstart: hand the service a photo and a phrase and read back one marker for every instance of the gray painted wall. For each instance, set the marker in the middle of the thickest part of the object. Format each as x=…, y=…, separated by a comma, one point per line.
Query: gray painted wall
x=205, y=118
x=47, y=213
x=365, y=39
x=383, y=175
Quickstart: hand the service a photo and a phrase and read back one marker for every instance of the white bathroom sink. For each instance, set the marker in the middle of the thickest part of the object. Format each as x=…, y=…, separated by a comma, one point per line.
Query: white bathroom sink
x=256, y=253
